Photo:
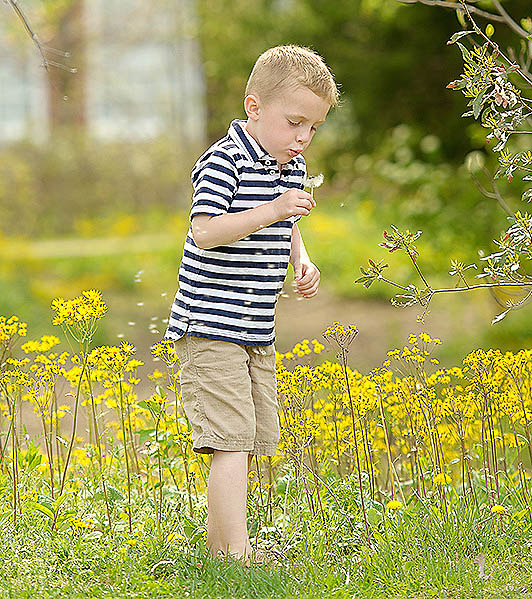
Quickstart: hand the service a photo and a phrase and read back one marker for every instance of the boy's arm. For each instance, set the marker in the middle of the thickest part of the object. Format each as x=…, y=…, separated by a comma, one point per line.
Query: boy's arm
x=212, y=231
x=306, y=274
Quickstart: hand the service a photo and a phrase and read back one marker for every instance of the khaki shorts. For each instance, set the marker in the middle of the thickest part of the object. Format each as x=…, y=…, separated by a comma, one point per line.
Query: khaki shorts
x=229, y=394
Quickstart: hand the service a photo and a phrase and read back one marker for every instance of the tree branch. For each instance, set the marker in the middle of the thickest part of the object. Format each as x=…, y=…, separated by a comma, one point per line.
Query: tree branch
x=509, y=21
x=495, y=195
x=525, y=75
x=40, y=47
x=456, y=6
x=29, y=30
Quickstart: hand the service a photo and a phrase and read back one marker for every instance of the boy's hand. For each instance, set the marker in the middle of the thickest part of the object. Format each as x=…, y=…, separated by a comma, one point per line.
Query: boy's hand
x=292, y=202
x=306, y=279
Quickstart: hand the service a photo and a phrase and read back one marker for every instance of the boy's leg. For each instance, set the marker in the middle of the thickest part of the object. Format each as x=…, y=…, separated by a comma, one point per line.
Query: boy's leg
x=227, y=498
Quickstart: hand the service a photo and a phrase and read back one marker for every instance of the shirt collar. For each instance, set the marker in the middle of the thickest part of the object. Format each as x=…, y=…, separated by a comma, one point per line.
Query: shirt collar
x=249, y=146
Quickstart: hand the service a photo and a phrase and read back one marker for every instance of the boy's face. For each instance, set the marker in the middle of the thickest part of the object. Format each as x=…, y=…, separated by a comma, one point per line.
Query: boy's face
x=285, y=125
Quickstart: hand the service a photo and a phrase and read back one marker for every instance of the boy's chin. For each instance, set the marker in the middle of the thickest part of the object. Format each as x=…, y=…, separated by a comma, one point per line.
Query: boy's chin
x=283, y=158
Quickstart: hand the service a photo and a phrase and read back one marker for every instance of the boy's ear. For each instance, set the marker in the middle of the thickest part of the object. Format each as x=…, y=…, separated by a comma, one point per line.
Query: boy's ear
x=252, y=106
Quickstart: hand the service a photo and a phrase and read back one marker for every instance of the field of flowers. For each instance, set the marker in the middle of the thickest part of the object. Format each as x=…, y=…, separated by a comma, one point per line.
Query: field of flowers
x=409, y=481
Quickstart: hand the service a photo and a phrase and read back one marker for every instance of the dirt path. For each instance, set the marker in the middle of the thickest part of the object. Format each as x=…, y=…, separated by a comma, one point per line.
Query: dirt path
x=381, y=325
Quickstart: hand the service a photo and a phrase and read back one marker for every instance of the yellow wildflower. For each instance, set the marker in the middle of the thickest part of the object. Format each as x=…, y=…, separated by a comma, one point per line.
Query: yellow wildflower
x=498, y=509
x=442, y=479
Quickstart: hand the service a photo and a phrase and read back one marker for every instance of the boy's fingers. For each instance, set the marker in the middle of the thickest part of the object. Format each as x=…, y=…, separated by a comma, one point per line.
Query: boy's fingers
x=306, y=290
x=310, y=277
x=309, y=288
x=297, y=272
x=306, y=204
x=310, y=293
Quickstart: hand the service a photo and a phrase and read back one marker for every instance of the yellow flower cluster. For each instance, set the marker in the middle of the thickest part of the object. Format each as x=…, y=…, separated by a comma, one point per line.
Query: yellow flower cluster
x=435, y=421
x=11, y=328
x=88, y=306
x=114, y=359
x=45, y=344
x=79, y=524
x=80, y=315
x=165, y=351
x=343, y=336
x=408, y=421
x=302, y=349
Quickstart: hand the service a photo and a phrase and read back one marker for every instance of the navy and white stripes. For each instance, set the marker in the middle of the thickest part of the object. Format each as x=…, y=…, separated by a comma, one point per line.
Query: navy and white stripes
x=229, y=292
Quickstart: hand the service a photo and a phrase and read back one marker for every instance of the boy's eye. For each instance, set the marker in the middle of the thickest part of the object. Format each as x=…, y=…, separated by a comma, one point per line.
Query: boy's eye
x=294, y=124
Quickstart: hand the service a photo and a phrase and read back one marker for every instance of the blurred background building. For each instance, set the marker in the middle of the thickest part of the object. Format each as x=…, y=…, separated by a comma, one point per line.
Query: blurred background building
x=138, y=73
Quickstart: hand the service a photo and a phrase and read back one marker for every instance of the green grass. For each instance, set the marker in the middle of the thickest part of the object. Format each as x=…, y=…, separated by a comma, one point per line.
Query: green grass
x=411, y=553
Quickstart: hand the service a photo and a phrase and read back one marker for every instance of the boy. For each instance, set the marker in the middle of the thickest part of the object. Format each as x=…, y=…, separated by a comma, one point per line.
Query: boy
x=248, y=195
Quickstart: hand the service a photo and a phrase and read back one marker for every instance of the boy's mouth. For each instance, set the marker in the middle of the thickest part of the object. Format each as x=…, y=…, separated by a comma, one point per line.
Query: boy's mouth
x=294, y=152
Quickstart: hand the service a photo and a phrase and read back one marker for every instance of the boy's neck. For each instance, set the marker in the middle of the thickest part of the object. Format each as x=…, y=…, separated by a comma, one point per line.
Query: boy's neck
x=248, y=126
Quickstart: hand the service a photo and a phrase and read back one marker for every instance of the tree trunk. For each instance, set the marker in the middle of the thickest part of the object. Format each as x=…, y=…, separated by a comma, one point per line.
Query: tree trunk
x=67, y=89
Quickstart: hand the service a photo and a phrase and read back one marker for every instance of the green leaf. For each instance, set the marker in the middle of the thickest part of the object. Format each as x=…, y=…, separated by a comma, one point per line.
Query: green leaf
x=456, y=36
x=465, y=52
x=145, y=434
x=39, y=507
x=35, y=461
x=374, y=516
x=518, y=515
x=60, y=500
x=114, y=494
x=46, y=501
x=499, y=317
x=478, y=103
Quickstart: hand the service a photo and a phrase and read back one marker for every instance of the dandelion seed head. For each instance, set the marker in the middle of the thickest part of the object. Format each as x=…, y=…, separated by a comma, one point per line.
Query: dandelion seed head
x=313, y=182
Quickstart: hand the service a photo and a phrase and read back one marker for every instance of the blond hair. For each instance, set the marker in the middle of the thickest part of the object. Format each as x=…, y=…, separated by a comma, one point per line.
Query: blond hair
x=282, y=67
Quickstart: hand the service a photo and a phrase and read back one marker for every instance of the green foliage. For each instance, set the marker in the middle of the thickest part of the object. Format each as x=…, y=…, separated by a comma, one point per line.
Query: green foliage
x=389, y=60
x=50, y=189
x=495, y=86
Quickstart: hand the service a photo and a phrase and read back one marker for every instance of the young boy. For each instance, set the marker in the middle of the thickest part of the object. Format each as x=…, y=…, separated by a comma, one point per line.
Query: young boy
x=248, y=195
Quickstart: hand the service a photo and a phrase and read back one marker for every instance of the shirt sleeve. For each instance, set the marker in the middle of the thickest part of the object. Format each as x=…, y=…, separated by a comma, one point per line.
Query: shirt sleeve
x=215, y=181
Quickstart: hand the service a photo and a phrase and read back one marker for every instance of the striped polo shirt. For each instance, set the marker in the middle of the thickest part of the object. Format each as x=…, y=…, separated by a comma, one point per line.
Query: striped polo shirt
x=229, y=292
